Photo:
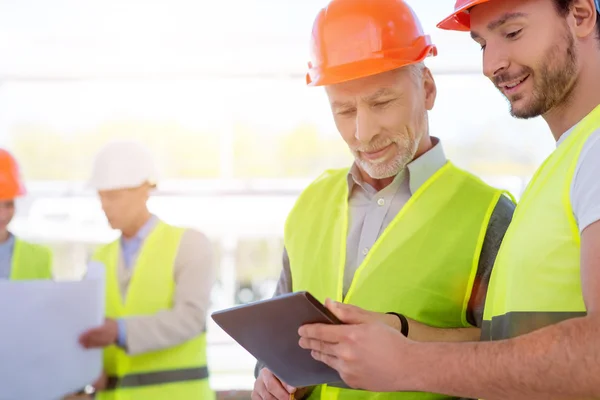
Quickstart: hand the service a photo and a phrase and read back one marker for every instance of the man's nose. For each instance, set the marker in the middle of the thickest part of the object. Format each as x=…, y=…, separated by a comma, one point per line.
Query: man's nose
x=495, y=61
x=366, y=128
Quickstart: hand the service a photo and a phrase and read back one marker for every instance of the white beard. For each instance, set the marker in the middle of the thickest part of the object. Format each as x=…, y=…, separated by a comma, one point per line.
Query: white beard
x=381, y=169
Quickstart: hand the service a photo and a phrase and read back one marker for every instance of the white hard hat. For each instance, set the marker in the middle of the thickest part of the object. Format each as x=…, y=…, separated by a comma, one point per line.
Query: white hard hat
x=123, y=164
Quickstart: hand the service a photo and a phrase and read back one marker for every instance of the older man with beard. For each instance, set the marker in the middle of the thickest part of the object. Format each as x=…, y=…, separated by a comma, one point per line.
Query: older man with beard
x=542, y=313
x=402, y=233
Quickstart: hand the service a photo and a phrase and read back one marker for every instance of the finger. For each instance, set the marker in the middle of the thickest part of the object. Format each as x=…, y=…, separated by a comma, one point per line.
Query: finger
x=323, y=332
x=332, y=361
x=347, y=313
x=317, y=345
x=86, y=339
x=86, y=335
x=258, y=386
x=289, y=388
x=92, y=333
x=90, y=340
x=94, y=341
x=265, y=395
x=275, y=388
x=92, y=345
x=272, y=385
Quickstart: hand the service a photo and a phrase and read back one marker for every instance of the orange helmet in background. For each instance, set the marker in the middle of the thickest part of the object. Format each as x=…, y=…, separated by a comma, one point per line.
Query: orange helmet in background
x=460, y=20
x=11, y=185
x=352, y=39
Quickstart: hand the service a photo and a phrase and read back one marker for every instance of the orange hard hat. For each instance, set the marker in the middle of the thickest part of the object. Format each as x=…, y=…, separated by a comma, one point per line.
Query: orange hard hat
x=460, y=19
x=352, y=39
x=11, y=185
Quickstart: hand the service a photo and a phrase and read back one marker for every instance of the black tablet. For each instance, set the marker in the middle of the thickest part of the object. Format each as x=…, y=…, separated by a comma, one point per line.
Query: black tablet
x=268, y=330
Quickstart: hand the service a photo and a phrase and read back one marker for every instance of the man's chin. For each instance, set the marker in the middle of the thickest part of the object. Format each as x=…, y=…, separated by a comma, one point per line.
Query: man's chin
x=521, y=109
x=113, y=226
x=380, y=173
x=524, y=113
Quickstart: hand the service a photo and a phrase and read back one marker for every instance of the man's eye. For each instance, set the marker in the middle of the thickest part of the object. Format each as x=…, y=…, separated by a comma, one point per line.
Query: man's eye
x=514, y=34
x=382, y=103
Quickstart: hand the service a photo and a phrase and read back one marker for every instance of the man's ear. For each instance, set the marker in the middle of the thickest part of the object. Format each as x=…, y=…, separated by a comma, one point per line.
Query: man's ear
x=430, y=89
x=585, y=15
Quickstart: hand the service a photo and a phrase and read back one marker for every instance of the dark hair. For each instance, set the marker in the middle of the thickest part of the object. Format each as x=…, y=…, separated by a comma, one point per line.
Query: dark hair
x=564, y=6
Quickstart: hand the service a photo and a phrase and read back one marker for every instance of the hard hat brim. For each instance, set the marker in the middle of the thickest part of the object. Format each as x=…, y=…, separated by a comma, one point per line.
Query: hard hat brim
x=364, y=68
x=452, y=24
x=104, y=186
x=20, y=192
x=459, y=20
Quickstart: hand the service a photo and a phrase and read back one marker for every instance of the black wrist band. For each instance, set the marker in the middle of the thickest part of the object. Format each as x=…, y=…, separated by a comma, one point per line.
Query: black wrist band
x=403, y=323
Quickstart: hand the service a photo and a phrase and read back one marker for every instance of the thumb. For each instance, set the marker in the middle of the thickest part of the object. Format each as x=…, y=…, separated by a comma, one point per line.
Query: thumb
x=290, y=389
x=347, y=313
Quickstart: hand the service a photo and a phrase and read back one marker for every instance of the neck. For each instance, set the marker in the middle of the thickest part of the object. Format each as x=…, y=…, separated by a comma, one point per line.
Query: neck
x=136, y=225
x=584, y=98
x=379, y=184
x=4, y=235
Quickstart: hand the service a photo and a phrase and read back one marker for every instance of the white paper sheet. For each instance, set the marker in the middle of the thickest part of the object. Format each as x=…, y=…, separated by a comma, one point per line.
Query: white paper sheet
x=40, y=325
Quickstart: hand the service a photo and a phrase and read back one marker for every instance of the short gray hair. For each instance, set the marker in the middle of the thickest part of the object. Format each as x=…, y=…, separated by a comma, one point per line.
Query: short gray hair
x=417, y=71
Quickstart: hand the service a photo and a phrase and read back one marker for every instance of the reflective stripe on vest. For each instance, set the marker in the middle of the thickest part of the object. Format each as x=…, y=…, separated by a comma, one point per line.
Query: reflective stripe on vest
x=516, y=323
x=157, y=378
x=30, y=262
x=423, y=265
x=151, y=290
x=537, y=272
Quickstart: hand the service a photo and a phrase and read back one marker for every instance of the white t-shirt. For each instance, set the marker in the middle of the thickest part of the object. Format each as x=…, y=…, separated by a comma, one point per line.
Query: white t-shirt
x=585, y=188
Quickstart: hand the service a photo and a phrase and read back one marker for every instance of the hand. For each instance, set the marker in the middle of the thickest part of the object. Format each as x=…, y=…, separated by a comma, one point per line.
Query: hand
x=367, y=354
x=101, y=383
x=268, y=387
x=101, y=336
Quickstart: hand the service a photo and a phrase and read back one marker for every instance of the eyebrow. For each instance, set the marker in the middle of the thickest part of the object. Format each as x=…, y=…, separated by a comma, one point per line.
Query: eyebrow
x=341, y=104
x=381, y=92
x=500, y=21
x=368, y=99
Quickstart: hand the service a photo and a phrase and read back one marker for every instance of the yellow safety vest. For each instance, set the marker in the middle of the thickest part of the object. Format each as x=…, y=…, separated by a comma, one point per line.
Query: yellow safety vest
x=536, y=281
x=30, y=262
x=423, y=265
x=178, y=372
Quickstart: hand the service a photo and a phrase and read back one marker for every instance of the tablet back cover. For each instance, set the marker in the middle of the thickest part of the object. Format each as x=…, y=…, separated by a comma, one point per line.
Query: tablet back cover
x=269, y=331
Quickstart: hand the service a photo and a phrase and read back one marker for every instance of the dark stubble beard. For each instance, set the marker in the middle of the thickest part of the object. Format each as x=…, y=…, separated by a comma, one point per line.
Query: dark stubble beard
x=554, y=81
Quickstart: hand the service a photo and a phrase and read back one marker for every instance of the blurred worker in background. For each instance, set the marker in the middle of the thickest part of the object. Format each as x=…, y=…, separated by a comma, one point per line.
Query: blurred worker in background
x=19, y=260
x=542, y=313
x=158, y=283
x=402, y=230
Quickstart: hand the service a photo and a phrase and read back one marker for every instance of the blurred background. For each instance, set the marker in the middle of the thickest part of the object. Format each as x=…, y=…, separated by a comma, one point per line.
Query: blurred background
x=216, y=89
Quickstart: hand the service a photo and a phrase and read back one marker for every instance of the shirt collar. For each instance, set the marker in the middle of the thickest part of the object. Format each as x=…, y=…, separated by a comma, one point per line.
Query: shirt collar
x=419, y=171
x=564, y=136
x=10, y=242
x=144, y=231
